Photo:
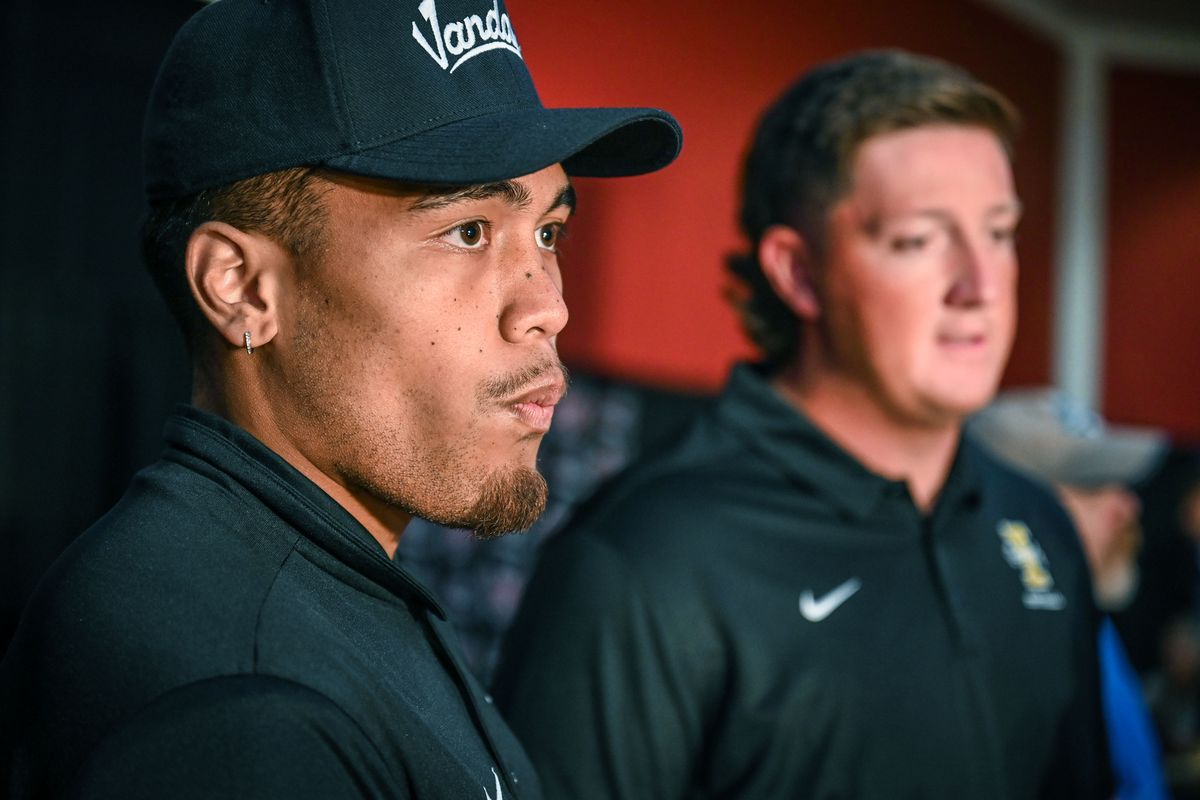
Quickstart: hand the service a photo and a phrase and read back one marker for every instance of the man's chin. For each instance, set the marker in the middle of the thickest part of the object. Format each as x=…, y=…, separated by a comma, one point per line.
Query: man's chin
x=508, y=501
x=955, y=404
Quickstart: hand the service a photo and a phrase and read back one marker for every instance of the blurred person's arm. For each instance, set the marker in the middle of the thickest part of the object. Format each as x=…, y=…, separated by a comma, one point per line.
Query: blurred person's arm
x=1081, y=762
x=595, y=682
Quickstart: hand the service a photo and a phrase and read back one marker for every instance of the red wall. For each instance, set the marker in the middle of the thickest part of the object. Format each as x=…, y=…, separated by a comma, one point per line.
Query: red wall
x=644, y=260
x=1152, y=368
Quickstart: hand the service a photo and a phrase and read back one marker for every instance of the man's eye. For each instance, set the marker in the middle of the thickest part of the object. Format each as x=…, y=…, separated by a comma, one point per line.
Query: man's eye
x=909, y=244
x=548, y=236
x=469, y=234
x=1004, y=235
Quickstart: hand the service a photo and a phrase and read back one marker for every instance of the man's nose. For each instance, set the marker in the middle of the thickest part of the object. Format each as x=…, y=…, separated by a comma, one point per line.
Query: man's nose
x=977, y=271
x=534, y=306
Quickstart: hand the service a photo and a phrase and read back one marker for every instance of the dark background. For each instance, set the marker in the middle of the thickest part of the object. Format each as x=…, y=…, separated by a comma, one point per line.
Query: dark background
x=90, y=361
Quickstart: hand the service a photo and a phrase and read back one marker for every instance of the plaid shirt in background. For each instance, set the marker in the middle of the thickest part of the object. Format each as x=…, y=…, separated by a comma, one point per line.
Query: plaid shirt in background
x=599, y=427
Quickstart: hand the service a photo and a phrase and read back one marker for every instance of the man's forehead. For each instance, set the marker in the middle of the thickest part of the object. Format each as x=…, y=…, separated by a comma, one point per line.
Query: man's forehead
x=930, y=168
x=941, y=152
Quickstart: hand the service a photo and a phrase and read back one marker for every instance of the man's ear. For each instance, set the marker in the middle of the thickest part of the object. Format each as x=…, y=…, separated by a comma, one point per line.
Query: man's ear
x=786, y=261
x=234, y=277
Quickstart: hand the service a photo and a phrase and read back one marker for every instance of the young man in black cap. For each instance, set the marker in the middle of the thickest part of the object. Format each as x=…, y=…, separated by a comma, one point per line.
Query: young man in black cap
x=354, y=213
x=825, y=591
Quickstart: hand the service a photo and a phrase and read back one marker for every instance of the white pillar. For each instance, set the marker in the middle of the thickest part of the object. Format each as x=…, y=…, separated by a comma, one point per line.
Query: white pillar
x=1079, y=285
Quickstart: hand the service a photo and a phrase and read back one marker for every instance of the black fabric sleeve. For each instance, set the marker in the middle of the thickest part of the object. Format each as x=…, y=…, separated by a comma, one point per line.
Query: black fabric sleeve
x=1080, y=766
x=237, y=737
x=595, y=683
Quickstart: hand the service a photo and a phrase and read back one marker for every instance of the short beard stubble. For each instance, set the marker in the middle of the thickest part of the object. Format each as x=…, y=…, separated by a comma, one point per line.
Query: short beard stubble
x=508, y=501
x=442, y=484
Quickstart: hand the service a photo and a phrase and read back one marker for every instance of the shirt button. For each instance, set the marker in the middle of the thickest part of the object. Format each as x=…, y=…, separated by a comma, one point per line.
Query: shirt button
x=487, y=698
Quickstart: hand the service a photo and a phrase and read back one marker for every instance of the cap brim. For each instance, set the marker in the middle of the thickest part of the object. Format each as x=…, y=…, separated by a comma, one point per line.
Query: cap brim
x=1045, y=434
x=1122, y=455
x=588, y=142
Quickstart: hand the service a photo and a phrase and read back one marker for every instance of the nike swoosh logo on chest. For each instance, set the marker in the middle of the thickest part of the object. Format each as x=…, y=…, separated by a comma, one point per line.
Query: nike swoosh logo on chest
x=816, y=609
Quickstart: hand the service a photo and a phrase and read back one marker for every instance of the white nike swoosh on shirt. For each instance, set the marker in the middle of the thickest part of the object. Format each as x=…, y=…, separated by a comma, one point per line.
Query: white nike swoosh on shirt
x=815, y=610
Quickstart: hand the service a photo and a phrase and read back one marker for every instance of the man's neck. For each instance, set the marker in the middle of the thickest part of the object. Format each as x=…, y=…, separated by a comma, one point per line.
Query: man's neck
x=245, y=408
x=919, y=455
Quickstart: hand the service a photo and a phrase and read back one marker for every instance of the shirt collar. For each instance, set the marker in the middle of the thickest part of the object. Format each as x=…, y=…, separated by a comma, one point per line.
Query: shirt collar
x=782, y=433
x=302, y=504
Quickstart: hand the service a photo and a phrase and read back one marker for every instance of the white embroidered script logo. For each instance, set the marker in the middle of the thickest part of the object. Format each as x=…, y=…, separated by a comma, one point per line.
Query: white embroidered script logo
x=465, y=39
x=499, y=788
x=815, y=610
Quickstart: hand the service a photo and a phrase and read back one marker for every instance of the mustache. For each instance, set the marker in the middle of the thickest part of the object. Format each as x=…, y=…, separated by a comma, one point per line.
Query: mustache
x=506, y=386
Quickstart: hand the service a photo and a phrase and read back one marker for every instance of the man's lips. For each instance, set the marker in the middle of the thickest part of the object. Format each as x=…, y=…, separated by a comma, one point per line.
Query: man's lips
x=962, y=338
x=535, y=407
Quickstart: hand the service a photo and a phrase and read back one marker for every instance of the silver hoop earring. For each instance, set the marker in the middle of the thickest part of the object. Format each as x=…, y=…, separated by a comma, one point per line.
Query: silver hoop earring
x=246, y=339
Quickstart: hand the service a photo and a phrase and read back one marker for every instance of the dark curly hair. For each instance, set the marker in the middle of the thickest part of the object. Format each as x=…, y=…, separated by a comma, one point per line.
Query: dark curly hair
x=286, y=206
x=802, y=154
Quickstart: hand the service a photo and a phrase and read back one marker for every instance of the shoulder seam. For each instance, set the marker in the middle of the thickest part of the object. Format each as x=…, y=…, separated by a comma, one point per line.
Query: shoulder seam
x=262, y=603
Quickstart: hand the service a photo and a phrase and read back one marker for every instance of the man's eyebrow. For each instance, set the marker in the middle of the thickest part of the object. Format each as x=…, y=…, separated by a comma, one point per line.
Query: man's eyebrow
x=1014, y=207
x=511, y=192
x=874, y=224
x=566, y=197
x=439, y=197
x=942, y=215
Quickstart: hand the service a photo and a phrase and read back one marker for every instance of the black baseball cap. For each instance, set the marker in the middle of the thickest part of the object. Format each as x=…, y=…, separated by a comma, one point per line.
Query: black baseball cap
x=419, y=91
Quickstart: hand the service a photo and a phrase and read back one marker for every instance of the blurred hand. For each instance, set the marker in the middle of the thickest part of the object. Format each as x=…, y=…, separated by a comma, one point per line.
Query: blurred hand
x=1107, y=519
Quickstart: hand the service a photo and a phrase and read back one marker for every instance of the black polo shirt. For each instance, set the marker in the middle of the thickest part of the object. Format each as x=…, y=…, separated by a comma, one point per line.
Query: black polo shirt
x=756, y=615
x=228, y=630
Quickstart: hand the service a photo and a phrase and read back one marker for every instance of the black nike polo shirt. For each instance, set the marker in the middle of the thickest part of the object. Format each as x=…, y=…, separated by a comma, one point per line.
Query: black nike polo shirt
x=756, y=615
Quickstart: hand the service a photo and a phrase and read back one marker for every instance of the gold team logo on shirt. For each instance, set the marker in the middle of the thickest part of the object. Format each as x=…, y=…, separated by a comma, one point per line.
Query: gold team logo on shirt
x=1024, y=554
